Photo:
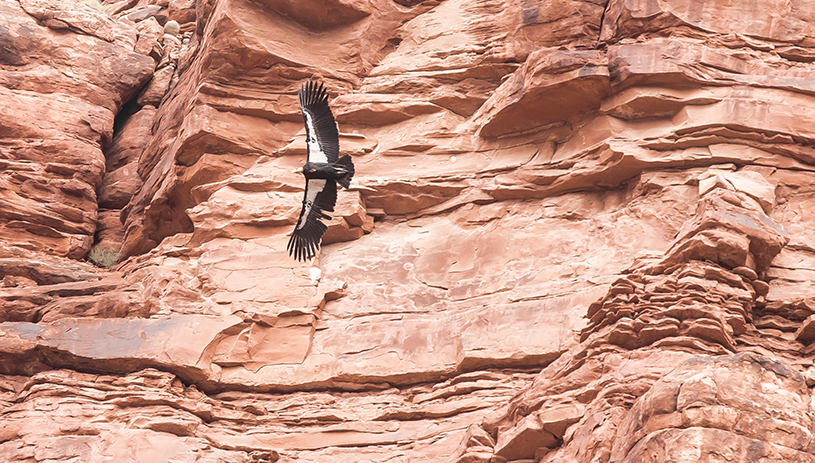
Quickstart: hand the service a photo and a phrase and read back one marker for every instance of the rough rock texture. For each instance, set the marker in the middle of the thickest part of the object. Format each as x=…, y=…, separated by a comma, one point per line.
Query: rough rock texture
x=580, y=231
x=58, y=113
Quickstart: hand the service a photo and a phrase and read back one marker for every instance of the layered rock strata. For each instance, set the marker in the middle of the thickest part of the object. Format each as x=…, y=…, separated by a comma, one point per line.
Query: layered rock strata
x=655, y=378
x=579, y=231
x=58, y=115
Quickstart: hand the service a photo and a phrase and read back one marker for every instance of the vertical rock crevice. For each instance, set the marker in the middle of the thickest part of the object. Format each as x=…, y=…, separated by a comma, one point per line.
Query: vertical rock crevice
x=52, y=141
x=134, y=126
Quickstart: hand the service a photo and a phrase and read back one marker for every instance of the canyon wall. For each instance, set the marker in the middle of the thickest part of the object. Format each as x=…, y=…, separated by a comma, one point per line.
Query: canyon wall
x=579, y=231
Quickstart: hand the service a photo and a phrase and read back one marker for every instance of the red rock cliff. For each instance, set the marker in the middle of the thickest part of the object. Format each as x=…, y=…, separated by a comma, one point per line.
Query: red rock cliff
x=579, y=232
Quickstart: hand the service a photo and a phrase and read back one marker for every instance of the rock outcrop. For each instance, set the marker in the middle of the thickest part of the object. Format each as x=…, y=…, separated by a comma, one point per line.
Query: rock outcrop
x=58, y=114
x=579, y=232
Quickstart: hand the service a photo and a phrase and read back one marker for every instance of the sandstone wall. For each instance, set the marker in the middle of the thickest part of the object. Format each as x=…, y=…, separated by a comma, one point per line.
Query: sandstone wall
x=579, y=232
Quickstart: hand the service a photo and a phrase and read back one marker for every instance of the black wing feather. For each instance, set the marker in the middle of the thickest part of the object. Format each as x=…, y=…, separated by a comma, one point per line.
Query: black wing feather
x=305, y=240
x=314, y=100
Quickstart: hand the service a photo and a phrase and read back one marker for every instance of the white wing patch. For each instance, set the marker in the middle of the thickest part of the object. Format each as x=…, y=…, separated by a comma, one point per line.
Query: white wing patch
x=315, y=153
x=315, y=186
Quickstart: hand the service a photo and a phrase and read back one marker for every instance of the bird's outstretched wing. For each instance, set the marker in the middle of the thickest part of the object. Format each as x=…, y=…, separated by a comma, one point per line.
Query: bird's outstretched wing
x=321, y=195
x=322, y=136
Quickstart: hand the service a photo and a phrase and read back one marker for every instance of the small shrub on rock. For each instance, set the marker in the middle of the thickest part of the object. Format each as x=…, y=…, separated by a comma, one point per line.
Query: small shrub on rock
x=103, y=257
x=96, y=4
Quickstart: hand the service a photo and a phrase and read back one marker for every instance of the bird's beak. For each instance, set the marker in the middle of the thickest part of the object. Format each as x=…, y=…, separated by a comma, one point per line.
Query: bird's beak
x=298, y=170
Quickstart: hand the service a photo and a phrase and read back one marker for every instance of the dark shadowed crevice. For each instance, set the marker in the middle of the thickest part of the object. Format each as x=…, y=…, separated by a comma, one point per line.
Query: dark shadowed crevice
x=128, y=109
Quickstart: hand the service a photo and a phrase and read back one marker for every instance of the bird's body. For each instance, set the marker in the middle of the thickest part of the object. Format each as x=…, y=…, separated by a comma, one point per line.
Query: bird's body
x=322, y=170
x=336, y=171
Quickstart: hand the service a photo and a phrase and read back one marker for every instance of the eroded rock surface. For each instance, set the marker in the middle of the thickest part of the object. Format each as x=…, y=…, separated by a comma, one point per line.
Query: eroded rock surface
x=58, y=113
x=579, y=232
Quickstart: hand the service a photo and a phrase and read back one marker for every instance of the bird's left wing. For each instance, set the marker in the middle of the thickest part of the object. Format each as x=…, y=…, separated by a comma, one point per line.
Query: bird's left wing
x=322, y=136
x=320, y=195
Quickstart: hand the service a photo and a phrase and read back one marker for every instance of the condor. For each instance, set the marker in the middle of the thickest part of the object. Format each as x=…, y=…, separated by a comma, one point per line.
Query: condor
x=323, y=170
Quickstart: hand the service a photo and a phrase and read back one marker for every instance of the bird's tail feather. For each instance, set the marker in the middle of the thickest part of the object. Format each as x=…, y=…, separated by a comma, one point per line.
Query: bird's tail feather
x=346, y=163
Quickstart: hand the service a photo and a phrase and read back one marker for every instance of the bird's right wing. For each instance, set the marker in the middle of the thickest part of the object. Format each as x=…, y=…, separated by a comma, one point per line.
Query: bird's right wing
x=320, y=195
x=322, y=136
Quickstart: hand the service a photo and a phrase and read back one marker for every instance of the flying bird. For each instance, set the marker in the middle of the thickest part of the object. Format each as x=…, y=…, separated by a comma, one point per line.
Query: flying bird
x=323, y=170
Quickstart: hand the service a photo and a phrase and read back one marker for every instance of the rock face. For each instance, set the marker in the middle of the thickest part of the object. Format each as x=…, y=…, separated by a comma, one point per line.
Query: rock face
x=579, y=232
x=58, y=113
